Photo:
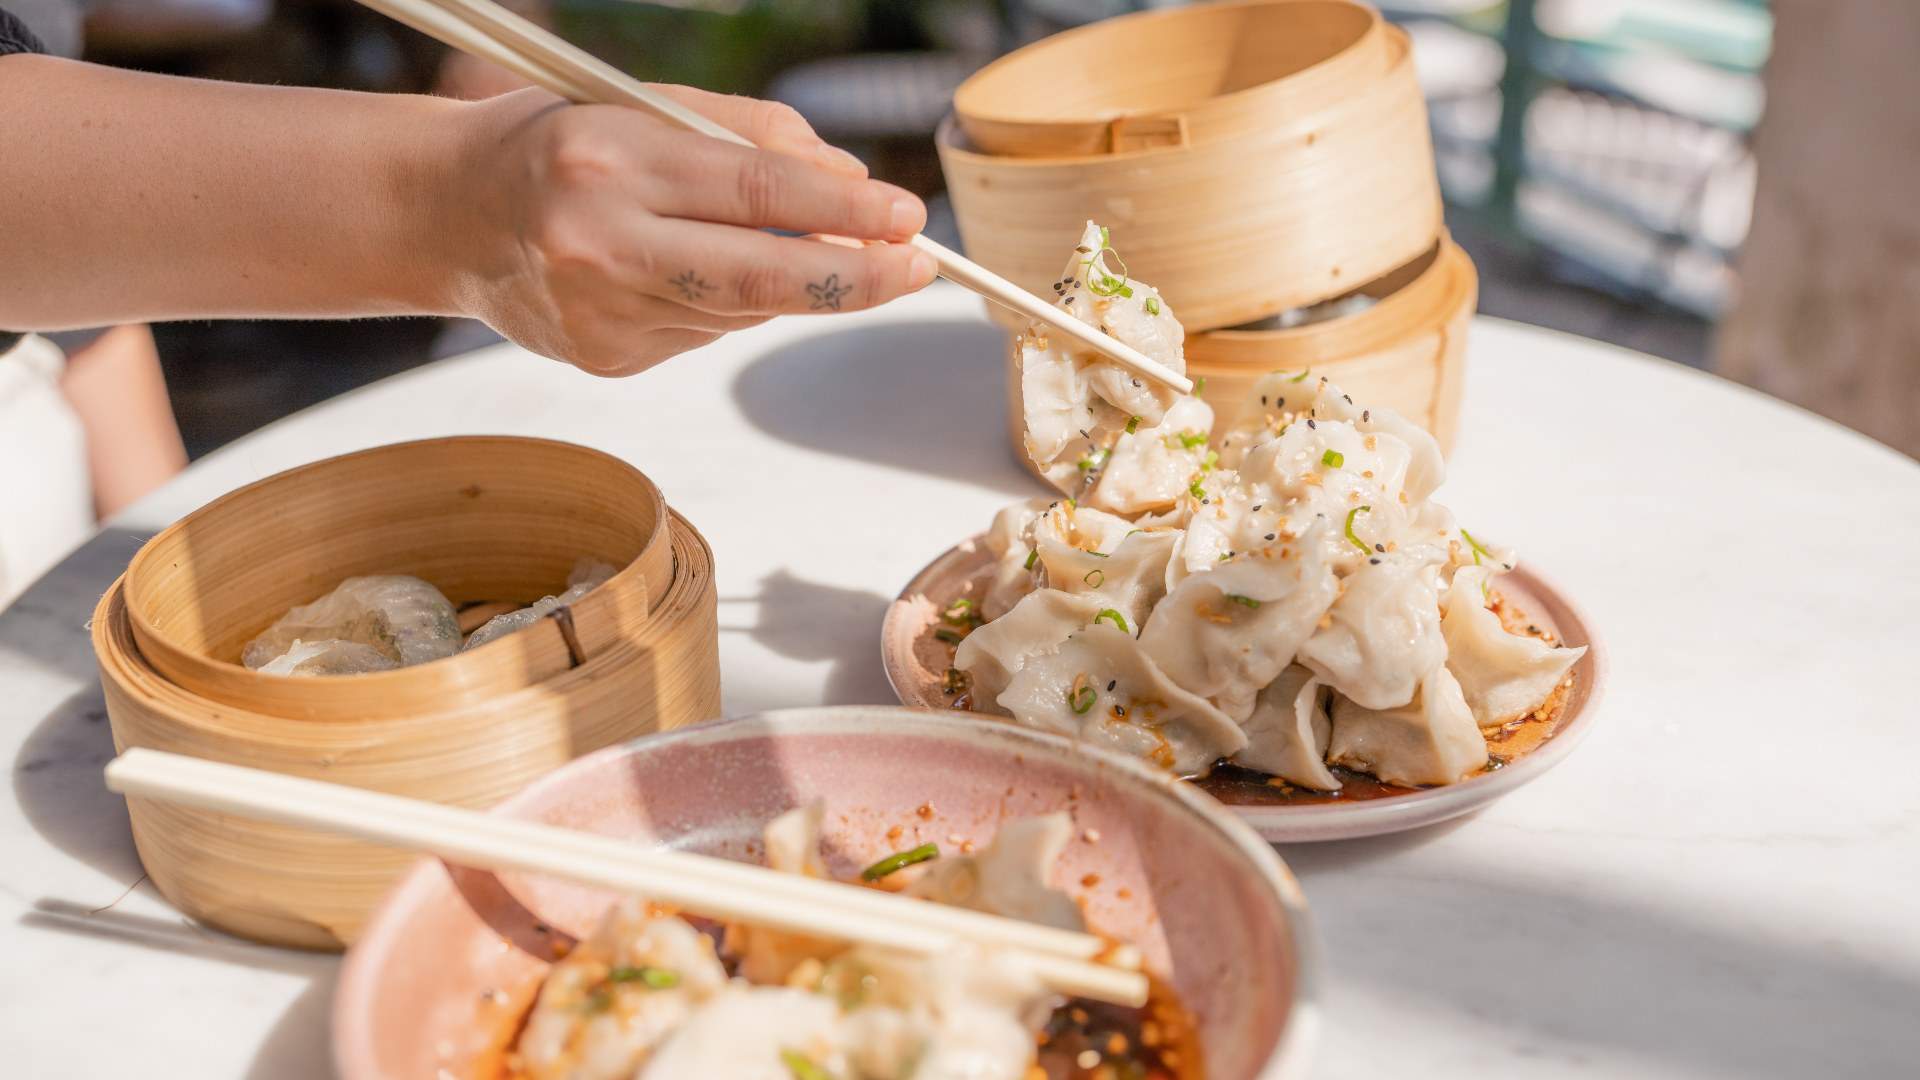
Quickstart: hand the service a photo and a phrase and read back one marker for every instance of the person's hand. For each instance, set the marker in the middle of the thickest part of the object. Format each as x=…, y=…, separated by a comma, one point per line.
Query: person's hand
x=611, y=240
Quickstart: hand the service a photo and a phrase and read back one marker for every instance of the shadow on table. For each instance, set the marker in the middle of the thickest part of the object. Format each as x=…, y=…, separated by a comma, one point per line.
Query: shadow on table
x=297, y=1047
x=926, y=398
x=57, y=773
x=1578, y=972
x=806, y=620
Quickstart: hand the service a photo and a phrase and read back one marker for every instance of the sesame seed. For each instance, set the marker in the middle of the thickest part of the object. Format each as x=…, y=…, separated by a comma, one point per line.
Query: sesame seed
x=1111, y=683
x=1270, y=536
x=1312, y=425
x=1375, y=562
x=1349, y=398
x=1257, y=506
x=1379, y=547
x=1069, y=300
x=1366, y=416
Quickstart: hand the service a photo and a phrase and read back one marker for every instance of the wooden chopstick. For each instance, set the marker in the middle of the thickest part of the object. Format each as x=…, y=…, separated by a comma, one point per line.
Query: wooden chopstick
x=716, y=888
x=488, y=30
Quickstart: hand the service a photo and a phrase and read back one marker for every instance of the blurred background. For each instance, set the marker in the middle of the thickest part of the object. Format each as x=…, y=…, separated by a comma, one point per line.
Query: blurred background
x=1598, y=157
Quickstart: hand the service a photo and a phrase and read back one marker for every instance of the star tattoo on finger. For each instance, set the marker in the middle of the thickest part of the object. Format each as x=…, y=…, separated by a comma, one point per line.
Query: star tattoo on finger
x=828, y=294
x=691, y=285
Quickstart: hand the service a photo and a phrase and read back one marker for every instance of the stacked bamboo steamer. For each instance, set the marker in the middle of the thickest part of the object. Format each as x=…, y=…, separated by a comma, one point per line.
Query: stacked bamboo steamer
x=484, y=519
x=1248, y=158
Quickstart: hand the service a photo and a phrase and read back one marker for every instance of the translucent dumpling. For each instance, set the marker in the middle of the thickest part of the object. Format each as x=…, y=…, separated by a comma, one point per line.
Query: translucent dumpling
x=1010, y=876
x=587, y=576
x=403, y=618
x=329, y=657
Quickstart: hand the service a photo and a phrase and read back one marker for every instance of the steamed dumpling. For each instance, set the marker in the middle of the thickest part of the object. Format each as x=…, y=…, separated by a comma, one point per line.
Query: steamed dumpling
x=1009, y=877
x=992, y=654
x=1226, y=633
x=744, y=1033
x=1100, y=686
x=592, y=1022
x=1288, y=732
x=404, y=618
x=587, y=576
x=1430, y=740
x=1011, y=542
x=970, y=1014
x=1503, y=676
x=329, y=657
x=1383, y=636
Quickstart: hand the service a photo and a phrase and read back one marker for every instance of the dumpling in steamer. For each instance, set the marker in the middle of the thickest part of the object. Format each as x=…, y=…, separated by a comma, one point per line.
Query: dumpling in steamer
x=1503, y=676
x=1288, y=732
x=329, y=657
x=404, y=618
x=1430, y=740
x=1100, y=686
x=1385, y=630
x=1009, y=877
x=587, y=576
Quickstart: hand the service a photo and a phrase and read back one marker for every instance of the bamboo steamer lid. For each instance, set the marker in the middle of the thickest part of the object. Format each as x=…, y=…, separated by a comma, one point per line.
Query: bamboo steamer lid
x=289, y=886
x=1300, y=208
x=482, y=518
x=1407, y=352
x=1180, y=76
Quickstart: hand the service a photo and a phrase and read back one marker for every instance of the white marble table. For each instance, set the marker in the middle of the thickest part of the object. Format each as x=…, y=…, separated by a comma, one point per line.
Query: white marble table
x=1723, y=882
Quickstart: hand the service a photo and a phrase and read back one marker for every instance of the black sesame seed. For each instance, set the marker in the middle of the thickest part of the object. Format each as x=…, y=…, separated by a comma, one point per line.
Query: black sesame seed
x=1119, y=710
x=1279, y=403
x=1379, y=547
x=1111, y=683
x=1312, y=425
x=1257, y=506
x=1263, y=399
x=1366, y=416
x=1349, y=398
x=1269, y=536
x=1068, y=300
x=1204, y=501
x=1136, y=382
x=1375, y=562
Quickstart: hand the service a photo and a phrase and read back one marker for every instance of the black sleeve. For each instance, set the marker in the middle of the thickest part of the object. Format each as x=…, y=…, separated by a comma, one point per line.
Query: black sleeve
x=15, y=37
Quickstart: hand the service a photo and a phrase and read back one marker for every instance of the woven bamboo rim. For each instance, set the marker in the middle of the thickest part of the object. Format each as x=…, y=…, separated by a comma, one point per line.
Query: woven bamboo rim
x=1298, y=211
x=1174, y=77
x=287, y=886
x=1408, y=352
x=482, y=517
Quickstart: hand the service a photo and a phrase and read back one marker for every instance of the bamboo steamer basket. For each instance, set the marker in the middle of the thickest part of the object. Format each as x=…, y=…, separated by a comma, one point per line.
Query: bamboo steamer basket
x=1198, y=74
x=1408, y=352
x=483, y=518
x=1305, y=205
x=289, y=886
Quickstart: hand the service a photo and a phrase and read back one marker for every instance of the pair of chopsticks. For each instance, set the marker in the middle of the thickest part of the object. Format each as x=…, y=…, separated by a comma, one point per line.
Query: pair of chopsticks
x=1064, y=961
x=491, y=32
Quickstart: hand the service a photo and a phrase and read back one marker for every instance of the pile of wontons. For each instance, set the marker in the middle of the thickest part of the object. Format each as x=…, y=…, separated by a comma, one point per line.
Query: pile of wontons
x=1284, y=595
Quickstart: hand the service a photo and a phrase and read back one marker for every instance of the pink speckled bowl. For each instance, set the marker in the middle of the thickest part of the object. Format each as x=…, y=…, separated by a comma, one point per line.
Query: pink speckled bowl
x=452, y=956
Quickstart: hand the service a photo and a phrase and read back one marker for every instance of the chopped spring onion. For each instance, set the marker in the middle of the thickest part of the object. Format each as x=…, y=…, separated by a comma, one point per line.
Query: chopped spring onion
x=1475, y=545
x=948, y=634
x=1200, y=385
x=1212, y=459
x=900, y=860
x=1302, y=377
x=1095, y=460
x=1356, y=541
x=1080, y=697
x=960, y=613
x=654, y=978
x=1333, y=459
x=1153, y=305
x=1196, y=490
x=802, y=1067
x=1032, y=557
x=1102, y=554
x=1225, y=555
x=1105, y=243
x=1113, y=617
x=1243, y=601
x=1095, y=577
x=1108, y=285
x=1133, y=424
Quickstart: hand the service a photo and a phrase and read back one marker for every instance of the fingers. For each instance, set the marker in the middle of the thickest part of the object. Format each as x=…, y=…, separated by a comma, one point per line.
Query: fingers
x=768, y=125
x=693, y=176
x=734, y=271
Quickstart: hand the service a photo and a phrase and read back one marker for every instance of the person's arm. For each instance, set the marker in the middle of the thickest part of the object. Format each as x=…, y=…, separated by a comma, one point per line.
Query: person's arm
x=592, y=234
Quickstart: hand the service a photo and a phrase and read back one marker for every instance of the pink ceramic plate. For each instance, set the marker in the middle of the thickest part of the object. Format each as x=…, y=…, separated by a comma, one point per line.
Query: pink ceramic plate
x=916, y=664
x=452, y=957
